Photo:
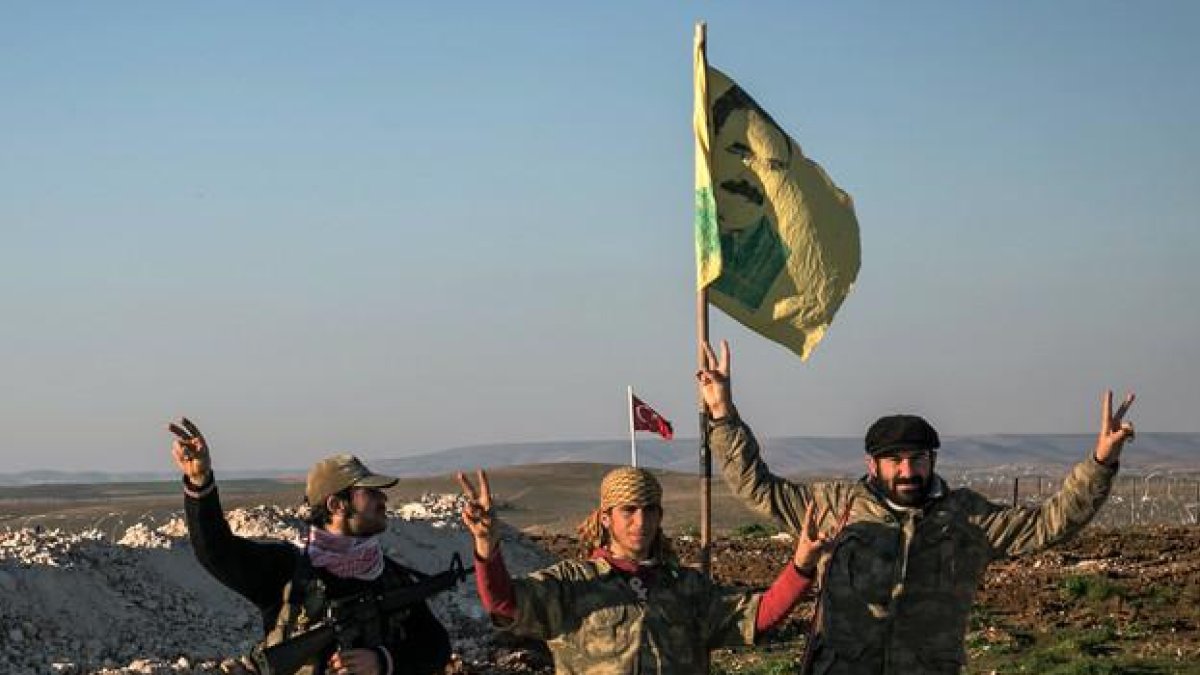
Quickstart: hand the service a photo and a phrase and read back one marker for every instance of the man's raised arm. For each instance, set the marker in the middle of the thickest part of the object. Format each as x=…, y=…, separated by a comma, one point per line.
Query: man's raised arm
x=250, y=568
x=738, y=451
x=1016, y=530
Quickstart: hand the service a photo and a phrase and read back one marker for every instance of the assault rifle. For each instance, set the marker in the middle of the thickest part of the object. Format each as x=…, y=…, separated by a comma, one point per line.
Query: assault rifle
x=346, y=618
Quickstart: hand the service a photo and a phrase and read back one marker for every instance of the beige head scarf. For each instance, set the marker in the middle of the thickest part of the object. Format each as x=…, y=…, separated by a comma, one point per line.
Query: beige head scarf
x=624, y=486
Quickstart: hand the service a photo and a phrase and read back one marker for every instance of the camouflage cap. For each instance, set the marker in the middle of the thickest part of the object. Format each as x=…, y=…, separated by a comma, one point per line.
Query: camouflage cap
x=334, y=474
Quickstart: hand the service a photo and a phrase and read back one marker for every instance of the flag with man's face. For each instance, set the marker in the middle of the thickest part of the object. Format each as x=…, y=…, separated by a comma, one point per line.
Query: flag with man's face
x=776, y=241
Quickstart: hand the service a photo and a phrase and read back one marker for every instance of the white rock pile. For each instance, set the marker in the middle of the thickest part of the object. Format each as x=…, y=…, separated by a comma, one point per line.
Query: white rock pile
x=74, y=603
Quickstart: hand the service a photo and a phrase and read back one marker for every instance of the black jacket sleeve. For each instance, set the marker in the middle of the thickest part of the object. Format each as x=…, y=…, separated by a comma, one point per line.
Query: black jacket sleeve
x=426, y=647
x=256, y=570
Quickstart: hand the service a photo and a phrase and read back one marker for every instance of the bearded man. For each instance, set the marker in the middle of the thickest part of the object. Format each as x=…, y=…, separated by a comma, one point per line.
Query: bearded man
x=292, y=585
x=902, y=579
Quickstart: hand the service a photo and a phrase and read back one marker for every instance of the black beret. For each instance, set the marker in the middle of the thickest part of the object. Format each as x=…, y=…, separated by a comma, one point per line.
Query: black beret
x=901, y=432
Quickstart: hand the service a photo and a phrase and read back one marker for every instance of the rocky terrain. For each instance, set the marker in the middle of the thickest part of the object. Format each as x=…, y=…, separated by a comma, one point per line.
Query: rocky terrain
x=81, y=603
x=1113, y=601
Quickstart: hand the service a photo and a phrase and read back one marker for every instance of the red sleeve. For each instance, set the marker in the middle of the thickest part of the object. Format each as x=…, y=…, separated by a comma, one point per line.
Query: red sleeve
x=778, y=600
x=495, y=586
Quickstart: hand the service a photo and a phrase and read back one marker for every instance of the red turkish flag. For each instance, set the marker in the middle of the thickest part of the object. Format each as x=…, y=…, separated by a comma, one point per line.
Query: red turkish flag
x=645, y=419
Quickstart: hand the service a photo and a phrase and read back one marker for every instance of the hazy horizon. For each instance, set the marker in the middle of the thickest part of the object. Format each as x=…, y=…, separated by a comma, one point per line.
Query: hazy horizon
x=396, y=229
x=789, y=455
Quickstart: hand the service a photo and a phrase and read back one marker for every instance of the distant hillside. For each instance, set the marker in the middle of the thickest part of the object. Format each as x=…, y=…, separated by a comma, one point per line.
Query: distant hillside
x=788, y=455
x=827, y=456
x=47, y=477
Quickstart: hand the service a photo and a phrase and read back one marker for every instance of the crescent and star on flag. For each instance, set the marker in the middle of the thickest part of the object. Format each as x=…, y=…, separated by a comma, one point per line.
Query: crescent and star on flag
x=646, y=418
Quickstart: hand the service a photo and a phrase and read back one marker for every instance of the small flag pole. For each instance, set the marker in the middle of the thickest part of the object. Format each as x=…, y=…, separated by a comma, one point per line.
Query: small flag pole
x=702, y=339
x=632, y=436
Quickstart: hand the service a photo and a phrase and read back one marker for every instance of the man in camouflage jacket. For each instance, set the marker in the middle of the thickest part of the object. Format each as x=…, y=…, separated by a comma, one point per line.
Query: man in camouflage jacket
x=902, y=578
x=630, y=607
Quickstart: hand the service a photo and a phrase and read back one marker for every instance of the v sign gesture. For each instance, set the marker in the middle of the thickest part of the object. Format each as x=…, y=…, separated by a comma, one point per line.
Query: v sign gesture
x=190, y=451
x=714, y=381
x=811, y=543
x=1114, y=430
x=478, y=514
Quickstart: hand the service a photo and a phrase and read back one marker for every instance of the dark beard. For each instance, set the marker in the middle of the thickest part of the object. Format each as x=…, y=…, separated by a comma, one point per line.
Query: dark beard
x=359, y=528
x=907, y=498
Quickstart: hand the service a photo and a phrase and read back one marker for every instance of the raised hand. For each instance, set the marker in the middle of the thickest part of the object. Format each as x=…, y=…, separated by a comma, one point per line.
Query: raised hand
x=811, y=543
x=1114, y=430
x=478, y=514
x=714, y=381
x=190, y=451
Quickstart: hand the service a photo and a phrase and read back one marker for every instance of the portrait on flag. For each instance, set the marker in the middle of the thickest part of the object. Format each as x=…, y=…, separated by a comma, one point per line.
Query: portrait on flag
x=777, y=241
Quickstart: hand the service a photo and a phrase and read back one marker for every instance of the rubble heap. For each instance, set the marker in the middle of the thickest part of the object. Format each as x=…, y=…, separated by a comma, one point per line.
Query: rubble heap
x=81, y=603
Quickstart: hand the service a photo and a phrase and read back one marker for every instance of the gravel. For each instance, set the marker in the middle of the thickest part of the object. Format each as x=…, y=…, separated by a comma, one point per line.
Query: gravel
x=78, y=602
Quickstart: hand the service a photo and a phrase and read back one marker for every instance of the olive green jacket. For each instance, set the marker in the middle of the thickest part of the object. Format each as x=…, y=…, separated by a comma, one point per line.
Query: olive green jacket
x=594, y=622
x=900, y=585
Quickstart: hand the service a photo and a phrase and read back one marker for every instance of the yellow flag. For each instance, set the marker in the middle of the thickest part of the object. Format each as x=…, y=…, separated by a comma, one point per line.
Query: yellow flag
x=777, y=243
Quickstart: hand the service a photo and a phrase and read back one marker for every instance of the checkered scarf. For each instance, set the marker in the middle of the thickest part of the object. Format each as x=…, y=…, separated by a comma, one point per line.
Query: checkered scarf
x=624, y=486
x=345, y=556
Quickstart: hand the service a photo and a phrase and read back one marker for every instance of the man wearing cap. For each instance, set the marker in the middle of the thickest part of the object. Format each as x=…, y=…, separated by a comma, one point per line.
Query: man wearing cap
x=902, y=577
x=341, y=557
x=628, y=606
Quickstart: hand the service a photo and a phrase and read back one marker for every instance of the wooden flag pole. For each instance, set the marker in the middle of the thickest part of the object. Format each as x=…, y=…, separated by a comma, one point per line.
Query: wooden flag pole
x=702, y=361
x=705, y=453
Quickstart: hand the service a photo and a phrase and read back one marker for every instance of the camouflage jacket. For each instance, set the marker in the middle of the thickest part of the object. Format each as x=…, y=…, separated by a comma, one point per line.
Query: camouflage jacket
x=899, y=587
x=594, y=622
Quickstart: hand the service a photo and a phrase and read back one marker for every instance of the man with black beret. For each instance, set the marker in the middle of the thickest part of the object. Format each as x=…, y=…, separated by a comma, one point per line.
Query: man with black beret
x=901, y=580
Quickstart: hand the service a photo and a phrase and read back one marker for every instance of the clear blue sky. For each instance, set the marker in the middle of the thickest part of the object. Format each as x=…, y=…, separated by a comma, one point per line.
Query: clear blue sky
x=393, y=229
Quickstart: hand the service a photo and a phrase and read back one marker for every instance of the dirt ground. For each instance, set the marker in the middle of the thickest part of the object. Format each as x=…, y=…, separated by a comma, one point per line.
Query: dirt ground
x=1112, y=601
x=1123, y=596
x=1109, y=602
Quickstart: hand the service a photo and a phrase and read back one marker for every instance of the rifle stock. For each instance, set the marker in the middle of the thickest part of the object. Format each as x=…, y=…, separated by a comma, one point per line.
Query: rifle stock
x=291, y=655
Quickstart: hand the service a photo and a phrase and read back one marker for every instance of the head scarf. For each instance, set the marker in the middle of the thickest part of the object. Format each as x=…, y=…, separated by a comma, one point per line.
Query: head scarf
x=624, y=486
